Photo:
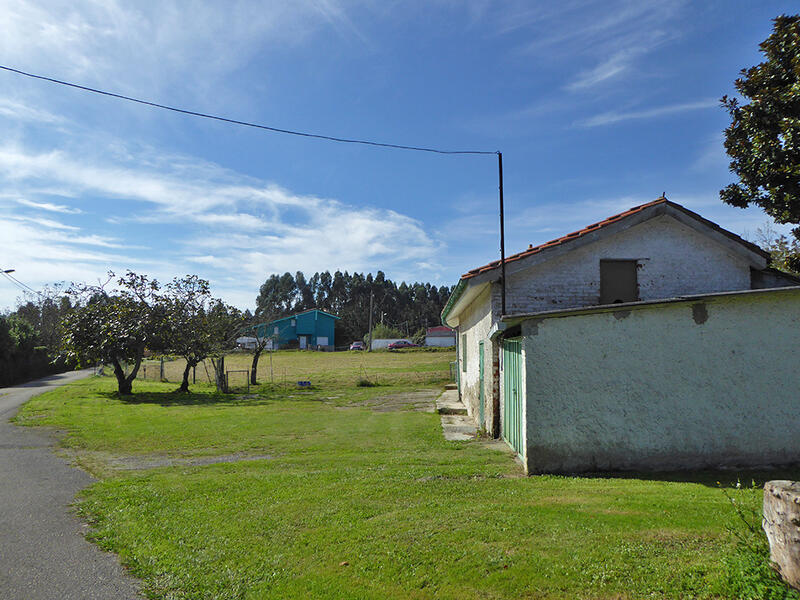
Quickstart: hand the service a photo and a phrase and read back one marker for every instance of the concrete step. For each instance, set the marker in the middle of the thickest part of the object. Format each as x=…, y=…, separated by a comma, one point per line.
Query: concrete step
x=449, y=404
x=458, y=428
x=451, y=386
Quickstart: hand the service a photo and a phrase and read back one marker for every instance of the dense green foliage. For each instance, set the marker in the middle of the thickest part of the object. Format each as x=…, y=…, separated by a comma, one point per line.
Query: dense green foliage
x=763, y=139
x=404, y=307
x=20, y=357
x=383, y=332
x=353, y=494
x=30, y=338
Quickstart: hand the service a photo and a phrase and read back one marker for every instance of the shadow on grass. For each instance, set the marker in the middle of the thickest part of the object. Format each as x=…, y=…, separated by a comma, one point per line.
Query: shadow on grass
x=713, y=478
x=190, y=399
x=258, y=396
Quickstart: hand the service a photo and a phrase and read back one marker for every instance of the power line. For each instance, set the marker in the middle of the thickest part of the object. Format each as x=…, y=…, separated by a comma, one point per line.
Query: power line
x=24, y=287
x=244, y=123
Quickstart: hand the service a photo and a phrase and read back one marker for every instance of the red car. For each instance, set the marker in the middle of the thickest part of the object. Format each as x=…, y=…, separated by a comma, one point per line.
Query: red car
x=402, y=344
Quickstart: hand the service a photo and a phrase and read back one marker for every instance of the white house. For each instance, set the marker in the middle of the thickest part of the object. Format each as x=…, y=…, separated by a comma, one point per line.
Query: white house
x=656, y=251
x=441, y=337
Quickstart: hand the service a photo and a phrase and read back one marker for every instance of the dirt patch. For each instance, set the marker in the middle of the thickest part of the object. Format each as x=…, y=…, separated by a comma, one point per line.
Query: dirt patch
x=116, y=463
x=421, y=400
x=135, y=463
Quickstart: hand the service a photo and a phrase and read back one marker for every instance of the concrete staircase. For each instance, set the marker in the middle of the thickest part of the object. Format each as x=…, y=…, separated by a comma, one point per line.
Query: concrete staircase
x=456, y=424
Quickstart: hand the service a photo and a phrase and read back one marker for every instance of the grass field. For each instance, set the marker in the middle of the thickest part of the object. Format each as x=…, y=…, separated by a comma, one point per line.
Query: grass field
x=350, y=493
x=285, y=368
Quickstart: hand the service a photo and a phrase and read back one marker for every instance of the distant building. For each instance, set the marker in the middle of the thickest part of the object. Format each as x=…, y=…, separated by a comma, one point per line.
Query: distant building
x=246, y=342
x=440, y=336
x=312, y=329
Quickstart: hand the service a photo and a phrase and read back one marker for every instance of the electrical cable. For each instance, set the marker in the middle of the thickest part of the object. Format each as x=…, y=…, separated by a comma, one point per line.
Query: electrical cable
x=24, y=287
x=244, y=123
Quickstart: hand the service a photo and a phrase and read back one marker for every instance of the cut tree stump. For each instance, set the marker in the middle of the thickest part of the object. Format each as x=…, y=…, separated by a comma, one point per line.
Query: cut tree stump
x=781, y=523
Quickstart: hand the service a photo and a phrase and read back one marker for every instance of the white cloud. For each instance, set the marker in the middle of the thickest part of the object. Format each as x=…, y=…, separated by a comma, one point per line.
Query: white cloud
x=613, y=66
x=612, y=117
x=49, y=223
x=49, y=206
x=19, y=111
x=234, y=229
x=151, y=45
x=712, y=156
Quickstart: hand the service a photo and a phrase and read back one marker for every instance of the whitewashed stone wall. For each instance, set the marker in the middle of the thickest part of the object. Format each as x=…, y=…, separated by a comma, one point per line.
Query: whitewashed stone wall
x=476, y=322
x=688, y=384
x=674, y=260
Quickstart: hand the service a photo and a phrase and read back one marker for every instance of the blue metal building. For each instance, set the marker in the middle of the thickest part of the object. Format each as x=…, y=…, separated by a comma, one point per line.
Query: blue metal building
x=311, y=329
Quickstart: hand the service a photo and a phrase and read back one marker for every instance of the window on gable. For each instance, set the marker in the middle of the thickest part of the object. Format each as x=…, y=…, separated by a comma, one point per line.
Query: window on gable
x=618, y=281
x=463, y=351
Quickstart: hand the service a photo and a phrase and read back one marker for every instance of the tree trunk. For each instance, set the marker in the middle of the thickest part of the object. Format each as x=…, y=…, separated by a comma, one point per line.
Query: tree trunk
x=254, y=366
x=124, y=385
x=184, y=389
x=219, y=373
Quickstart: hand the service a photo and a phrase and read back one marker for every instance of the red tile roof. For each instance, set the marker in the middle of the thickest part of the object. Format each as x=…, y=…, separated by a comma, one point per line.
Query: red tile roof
x=595, y=226
x=441, y=331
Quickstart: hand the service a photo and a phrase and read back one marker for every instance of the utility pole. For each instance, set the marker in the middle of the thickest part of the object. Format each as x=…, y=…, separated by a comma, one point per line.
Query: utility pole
x=369, y=347
x=502, y=237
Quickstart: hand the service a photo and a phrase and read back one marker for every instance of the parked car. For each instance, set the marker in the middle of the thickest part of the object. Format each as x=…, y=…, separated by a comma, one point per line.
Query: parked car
x=358, y=346
x=402, y=344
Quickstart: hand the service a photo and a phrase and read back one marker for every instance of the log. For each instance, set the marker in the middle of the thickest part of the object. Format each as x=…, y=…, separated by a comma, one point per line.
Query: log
x=781, y=523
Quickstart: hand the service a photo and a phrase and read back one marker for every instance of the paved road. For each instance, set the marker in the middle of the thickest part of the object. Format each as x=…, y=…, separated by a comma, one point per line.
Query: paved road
x=43, y=554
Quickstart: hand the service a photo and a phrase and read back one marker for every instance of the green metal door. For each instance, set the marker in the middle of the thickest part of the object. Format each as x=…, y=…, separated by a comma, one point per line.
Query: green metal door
x=512, y=394
x=482, y=392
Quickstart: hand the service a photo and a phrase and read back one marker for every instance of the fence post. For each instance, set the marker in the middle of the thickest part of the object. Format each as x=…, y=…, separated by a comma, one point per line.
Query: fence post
x=161, y=370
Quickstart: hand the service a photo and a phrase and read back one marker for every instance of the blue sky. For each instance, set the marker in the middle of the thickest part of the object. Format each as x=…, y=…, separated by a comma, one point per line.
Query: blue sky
x=596, y=106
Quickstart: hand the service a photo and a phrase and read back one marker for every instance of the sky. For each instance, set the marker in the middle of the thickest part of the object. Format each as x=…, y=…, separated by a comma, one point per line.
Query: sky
x=597, y=106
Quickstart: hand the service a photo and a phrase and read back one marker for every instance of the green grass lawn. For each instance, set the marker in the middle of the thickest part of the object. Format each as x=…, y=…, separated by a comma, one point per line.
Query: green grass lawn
x=351, y=501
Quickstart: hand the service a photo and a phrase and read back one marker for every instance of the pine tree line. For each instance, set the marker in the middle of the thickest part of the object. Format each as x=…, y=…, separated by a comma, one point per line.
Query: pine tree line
x=407, y=307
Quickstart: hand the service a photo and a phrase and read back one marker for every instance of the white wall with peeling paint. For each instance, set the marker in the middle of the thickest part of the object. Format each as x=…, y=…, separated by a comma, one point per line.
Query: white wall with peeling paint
x=673, y=260
x=476, y=324
x=688, y=384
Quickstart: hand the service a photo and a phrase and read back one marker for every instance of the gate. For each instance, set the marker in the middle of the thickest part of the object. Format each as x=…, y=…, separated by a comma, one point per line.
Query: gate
x=512, y=394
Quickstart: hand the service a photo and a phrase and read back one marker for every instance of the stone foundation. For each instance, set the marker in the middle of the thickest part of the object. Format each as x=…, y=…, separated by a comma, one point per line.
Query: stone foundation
x=782, y=525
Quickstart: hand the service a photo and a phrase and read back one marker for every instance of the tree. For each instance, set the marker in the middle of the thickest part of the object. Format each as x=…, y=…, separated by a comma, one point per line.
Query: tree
x=223, y=324
x=114, y=327
x=45, y=311
x=184, y=330
x=763, y=139
x=263, y=338
x=784, y=252
x=383, y=332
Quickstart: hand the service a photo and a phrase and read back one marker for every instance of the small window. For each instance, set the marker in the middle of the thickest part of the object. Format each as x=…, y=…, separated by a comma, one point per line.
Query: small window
x=618, y=281
x=276, y=330
x=294, y=322
x=463, y=351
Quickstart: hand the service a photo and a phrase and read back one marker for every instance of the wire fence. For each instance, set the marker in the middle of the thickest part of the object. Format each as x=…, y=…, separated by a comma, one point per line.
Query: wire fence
x=292, y=370
x=171, y=369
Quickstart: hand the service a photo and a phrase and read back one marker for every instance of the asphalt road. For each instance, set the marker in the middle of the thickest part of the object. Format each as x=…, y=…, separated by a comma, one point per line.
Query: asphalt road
x=43, y=554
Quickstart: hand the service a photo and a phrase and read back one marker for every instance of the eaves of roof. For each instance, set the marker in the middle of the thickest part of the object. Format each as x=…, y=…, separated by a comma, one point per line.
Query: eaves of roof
x=604, y=223
x=511, y=320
